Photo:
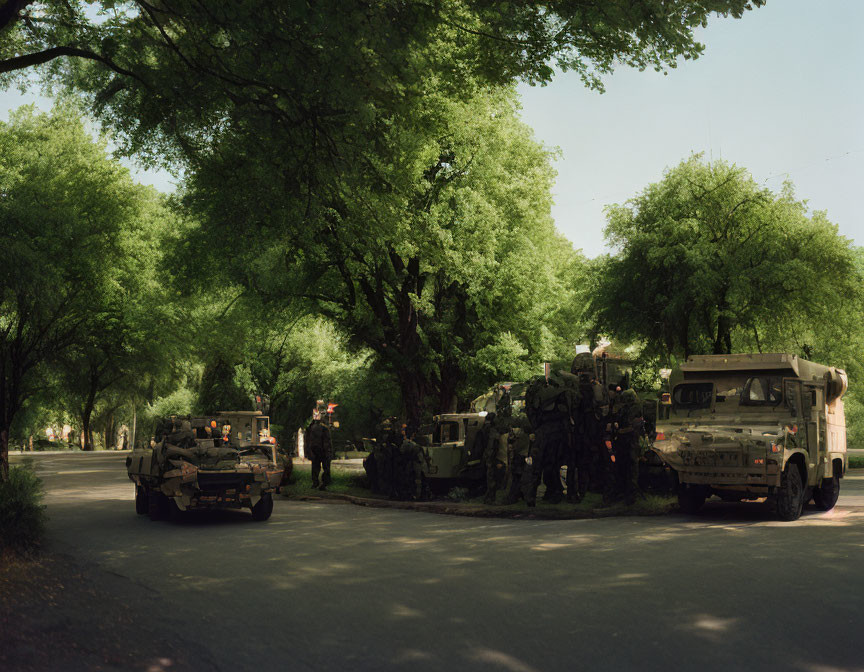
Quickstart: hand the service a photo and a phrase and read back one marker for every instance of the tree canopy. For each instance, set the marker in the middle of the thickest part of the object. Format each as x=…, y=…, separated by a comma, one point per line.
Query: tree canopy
x=707, y=260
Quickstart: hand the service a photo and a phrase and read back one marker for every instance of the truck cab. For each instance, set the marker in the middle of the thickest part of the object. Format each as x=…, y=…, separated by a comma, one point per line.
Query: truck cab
x=748, y=426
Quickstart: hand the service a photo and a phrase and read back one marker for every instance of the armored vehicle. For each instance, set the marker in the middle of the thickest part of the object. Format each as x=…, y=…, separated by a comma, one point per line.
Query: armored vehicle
x=449, y=448
x=748, y=426
x=226, y=461
x=451, y=440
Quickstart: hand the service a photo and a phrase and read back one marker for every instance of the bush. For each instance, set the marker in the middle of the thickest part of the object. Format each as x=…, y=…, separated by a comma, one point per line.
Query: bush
x=856, y=461
x=22, y=515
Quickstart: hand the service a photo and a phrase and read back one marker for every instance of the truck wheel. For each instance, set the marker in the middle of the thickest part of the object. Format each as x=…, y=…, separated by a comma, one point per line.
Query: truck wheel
x=690, y=500
x=826, y=494
x=142, y=505
x=158, y=505
x=262, y=510
x=790, y=498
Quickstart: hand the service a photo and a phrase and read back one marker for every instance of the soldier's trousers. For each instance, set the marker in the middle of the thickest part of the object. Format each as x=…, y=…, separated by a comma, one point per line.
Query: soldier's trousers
x=318, y=463
x=554, y=440
x=371, y=467
x=578, y=471
x=625, y=455
x=495, y=473
x=517, y=472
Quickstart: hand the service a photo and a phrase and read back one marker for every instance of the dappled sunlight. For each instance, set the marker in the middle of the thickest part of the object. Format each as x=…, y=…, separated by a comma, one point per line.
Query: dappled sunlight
x=410, y=656
x=404, y=611
x=710, y=627
x=549, y=546
x=500, y=660
x=160, y=665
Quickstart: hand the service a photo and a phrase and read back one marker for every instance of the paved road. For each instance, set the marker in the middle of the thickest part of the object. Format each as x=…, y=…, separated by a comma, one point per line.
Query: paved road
x=340, y=587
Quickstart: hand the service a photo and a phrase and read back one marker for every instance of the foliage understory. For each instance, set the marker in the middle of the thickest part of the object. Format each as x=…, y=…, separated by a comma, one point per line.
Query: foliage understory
x=22, y=514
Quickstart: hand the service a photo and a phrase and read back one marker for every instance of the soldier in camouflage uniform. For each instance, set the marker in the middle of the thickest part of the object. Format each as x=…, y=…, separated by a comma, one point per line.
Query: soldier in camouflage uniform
x=495, y=452
x=592, y=409
x=628, y=422
x=549, y=406
x=379, y=463
x=518, y=450
x=412, y=459
x=320, y=448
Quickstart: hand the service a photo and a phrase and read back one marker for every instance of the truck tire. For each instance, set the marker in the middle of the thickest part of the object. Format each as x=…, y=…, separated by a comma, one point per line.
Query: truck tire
x=142, y=505
x=158, y=505
x=826, y=494
x=262, y=510
x=790, y=497
x=690, y=500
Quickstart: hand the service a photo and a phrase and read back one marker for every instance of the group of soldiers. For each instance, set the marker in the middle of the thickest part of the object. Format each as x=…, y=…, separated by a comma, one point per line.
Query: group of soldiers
x=571, y=420
x=395, y=465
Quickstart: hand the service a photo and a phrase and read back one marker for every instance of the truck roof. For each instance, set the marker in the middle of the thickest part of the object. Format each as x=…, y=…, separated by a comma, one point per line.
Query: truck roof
x=249, y=413
x=801, y=368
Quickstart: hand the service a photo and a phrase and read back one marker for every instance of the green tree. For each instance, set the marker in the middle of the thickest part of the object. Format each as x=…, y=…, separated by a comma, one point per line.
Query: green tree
x=453, y=245
x=123, y=336
x=707, y=258
x=63, y=203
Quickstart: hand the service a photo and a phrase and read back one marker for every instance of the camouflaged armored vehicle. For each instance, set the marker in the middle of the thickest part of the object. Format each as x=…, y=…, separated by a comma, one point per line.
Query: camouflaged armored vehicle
x=449, y=444
x=224, y=461
x=749, y=426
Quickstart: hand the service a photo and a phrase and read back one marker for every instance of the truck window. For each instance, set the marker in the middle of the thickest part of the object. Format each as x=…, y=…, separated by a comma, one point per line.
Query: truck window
x=693, y=395
x=446, y=431
x=762, y=391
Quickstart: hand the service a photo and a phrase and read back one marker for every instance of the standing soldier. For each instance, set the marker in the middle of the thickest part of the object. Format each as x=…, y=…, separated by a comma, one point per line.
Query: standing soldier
x=495, y=452
x=549, y=405
x=413, y=458
x=628, y=426
x=519, y=448
x=319, y=448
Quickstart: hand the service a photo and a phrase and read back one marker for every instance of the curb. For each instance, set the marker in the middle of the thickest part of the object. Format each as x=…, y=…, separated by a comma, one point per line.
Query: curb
x=456, y=509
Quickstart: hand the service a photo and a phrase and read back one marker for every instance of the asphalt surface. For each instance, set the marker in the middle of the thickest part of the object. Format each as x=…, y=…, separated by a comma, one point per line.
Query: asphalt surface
x=338, y=587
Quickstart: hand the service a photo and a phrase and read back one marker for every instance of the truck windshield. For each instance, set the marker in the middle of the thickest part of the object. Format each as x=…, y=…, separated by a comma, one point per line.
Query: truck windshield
x=693, y=395
x=446, y=431
x=762, y=391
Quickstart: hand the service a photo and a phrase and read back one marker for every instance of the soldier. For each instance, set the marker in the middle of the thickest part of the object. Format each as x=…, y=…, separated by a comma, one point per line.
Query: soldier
x=495, y=452
x=549, y=405
x=412, y=459
x=628, y=425
x=481, y=438
x=319, y=449
x=519, y=448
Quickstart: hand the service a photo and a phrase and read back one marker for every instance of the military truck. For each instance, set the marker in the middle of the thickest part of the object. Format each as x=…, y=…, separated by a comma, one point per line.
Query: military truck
x=225, y=461
x=449, y=444
x=751, y=426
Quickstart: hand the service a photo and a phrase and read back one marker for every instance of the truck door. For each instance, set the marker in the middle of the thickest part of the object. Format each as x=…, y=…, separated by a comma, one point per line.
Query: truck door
x=794, y=401
x=815, y=430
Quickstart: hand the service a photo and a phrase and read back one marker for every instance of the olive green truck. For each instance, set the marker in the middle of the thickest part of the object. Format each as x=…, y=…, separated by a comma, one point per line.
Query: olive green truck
x=751, y=426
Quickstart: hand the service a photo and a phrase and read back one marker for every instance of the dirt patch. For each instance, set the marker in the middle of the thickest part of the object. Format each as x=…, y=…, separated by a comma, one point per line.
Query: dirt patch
x=59, y=614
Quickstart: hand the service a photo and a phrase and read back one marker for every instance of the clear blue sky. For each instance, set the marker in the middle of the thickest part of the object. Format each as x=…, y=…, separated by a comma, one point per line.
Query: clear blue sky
x=780, y=92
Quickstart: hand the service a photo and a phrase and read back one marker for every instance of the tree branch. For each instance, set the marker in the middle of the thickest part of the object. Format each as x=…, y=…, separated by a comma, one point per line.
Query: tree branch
x=10, y=11
x=38, y=58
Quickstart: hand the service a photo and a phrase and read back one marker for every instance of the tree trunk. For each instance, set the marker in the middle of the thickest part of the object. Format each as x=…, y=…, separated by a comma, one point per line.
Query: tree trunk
x=413, y=390
x=450, y=378
x=4, y=454
x=86, y=430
